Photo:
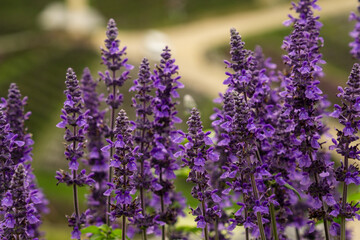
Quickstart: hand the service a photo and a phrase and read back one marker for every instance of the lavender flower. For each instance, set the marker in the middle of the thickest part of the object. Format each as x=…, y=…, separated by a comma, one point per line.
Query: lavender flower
x=112, y=57
x=74, y=122
x=166, y=137
x=125, y=167
x=96, y=159
x=242, y=65
x=240, y=141
x=196, y=155
x=7, y=141
x=303, y=98
x=143, y=138
x=345, y=144
x=355, y=34
x=21, y=214
x=251, y=82
x=14, y=110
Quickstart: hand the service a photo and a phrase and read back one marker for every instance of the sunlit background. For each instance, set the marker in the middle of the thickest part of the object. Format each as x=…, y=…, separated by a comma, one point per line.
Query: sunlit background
x=40, y=39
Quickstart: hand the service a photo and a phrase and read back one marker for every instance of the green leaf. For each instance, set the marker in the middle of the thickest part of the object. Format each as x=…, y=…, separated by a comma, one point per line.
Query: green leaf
x=183, y=172
x=354, y=197
x=117, y=233
x=105, y=228
x=97, y=237
x=189, y=229
x=288, y=186
x=91, y=229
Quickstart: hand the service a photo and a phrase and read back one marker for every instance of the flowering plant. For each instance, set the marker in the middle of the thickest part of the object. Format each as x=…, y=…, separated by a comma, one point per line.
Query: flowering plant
x=262, y=168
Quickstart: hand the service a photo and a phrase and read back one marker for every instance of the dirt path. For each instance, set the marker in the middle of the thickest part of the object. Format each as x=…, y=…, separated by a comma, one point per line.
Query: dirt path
x=191, y=41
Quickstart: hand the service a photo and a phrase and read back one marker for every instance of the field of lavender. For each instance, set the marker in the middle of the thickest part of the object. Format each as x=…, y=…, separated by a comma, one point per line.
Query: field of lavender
x=263, y=167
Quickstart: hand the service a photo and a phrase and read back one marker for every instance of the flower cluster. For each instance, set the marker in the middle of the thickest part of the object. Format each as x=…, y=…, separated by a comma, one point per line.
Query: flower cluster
x=124, y=165
x=16, y=116
x=112, y=57
x=196, y=156
x=21, y=199
x=97, y=160
x=21, y=218
x=355, y=34
x=74, y=122
x=143, y=137
x=345, y=145
x=166, y=139
x=7, y=141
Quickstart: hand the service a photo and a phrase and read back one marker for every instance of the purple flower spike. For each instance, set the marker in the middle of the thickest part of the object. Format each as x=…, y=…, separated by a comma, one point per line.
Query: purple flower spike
x=7, y=164
x=346, y=145
x=143, y=138
x=72, y=116
x=113, y=59
x=196, y=155
x=164, y=144
x=305, y=107
x=21, y=217
x=97, y=160
x=355, y=34
x=124, y=171
x=22, y=153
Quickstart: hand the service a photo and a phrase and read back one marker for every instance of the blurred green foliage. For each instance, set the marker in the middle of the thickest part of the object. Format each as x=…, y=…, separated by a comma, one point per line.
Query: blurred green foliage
x=140, y=14
x=20, y=15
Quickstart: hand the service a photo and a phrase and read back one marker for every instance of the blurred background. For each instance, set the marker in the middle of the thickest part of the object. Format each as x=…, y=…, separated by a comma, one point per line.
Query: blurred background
x=40, y=39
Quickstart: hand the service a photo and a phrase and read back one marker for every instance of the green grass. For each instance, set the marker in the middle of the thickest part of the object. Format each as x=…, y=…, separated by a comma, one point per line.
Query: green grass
x=20, y=15
x=141, y=14
x=40, y=75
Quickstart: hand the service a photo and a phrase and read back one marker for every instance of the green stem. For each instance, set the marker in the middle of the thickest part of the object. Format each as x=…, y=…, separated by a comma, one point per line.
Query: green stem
x=297, y=234
x=258, y=215
x=162, y=207
x=206, y=235
x=124, y=228
x=75, y=191
x=110, y=170
x=344, y=199
x=217, y=229
x=273, y=222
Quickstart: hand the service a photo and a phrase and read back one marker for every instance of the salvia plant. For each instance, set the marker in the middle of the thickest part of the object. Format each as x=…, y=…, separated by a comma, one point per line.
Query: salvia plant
x=261, y=172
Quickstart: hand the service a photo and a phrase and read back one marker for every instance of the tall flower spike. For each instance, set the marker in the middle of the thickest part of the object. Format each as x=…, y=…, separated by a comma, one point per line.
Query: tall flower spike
x=113, y=59
x=303, y=107
x=197, y=153
x=143, y=138
x=239, y=140
x=216, y=168
x=241, y=65
x=74, y=122
x=355, y=34
x=21, y=213
x=16, y=117
x=124, y=165
x=345, y=144
x=7, y=165
x=97, y=160
x=166, y=137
